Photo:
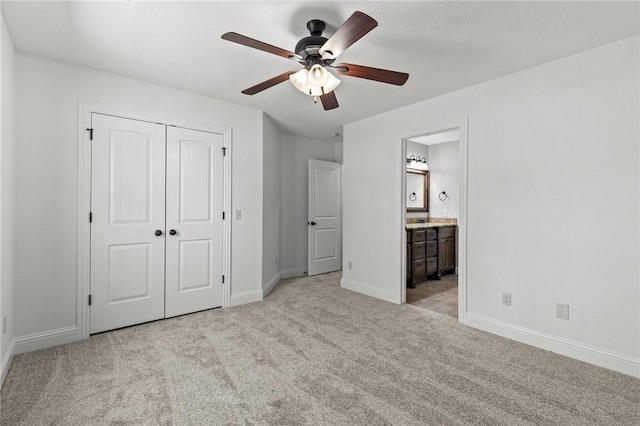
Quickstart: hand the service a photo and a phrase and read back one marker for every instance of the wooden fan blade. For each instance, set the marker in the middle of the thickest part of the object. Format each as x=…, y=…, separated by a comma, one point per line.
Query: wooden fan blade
x=351, y=31
x=268, y=83
x=256, y=44
x=375, y=74
x=329, y=101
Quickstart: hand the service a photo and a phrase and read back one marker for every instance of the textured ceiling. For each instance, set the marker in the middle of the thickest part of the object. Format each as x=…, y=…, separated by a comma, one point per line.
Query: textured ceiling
x=444, y=46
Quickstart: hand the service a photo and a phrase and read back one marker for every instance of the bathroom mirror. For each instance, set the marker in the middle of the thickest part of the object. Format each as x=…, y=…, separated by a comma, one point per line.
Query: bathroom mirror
x=417, y=196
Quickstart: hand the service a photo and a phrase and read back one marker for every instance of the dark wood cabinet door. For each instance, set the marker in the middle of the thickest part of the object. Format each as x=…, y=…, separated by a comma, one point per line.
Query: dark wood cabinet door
x=408, y=261
x=446, y=250
x=432, y=249
x=418, y=250
x=419, y=269
x=441, y=250
x=432, y=265
x=449, y=254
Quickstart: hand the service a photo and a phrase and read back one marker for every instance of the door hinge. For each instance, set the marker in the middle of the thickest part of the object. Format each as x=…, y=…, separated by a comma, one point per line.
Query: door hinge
x=90, y=217
x=90, y=134
x=89, y=300
x=223, y=279
x=223, y=215
x=224, y=151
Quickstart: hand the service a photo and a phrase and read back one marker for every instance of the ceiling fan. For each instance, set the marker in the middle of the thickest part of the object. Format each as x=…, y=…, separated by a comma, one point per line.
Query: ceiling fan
x=317, y=54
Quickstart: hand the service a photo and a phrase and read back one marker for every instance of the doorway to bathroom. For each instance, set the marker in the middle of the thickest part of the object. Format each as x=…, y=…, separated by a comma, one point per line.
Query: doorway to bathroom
x=434, y=212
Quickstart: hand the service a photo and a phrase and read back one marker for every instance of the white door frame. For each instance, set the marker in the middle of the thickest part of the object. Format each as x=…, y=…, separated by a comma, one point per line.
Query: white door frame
x=461, y=125
x=85, y=109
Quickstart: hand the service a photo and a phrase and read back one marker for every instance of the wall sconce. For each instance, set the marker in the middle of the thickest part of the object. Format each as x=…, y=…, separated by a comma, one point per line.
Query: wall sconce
x=417, y=162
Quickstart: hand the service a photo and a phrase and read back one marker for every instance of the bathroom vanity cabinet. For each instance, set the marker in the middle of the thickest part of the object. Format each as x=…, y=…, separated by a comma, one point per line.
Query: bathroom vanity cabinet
x=431, y=251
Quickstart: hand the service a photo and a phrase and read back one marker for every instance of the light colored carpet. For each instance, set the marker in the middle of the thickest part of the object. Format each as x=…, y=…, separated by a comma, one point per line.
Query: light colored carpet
x=311, y=353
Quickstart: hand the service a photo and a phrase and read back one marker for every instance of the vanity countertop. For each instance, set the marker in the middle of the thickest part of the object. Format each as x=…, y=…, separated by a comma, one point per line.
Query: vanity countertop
x=427, y=225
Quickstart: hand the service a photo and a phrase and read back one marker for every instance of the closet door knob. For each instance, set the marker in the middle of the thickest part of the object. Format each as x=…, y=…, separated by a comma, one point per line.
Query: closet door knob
x=158, y=232
x=172, y=232
x=312, y=223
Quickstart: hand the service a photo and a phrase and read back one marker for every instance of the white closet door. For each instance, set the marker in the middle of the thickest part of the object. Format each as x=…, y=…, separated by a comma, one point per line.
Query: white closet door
x=324, y=223
x=128, y=208
x=194, y=221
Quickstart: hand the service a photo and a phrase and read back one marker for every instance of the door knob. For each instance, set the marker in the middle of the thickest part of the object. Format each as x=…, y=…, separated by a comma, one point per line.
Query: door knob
x=158, y=232
x=312, y=223
x=172, y=232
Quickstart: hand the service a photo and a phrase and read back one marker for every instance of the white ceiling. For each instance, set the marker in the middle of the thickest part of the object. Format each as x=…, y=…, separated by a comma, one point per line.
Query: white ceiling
x=444, y=46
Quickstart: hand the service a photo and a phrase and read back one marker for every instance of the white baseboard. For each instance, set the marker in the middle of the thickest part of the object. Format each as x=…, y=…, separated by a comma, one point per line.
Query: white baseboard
x=270, y=285
x=368, y=290
x=46, y=339
x=292, y=273
x=245, y=297
x=5, y=364
x=601, y=357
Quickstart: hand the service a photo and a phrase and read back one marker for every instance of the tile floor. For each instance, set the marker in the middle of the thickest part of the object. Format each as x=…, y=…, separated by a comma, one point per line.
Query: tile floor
x=438, y=296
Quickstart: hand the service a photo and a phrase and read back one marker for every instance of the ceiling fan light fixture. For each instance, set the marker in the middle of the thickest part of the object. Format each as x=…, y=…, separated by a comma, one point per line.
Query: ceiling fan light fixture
x=316, y=81
x=332, y=83
x=317, y=76
x=299, y=80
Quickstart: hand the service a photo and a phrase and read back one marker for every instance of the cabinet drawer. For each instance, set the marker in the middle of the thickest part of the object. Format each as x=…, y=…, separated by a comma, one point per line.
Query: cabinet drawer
x=431, y=234
x=447, y=232
x=418, y=250
x=432, y=249
x=418, y=235
x=418, y=268
x=432, y=265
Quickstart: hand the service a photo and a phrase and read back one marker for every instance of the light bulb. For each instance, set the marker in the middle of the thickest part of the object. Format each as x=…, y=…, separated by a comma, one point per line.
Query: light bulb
x=317, y=76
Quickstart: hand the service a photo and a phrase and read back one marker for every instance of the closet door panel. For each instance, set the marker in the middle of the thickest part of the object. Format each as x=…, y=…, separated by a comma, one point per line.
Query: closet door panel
x=194, y=221
x=128, y=207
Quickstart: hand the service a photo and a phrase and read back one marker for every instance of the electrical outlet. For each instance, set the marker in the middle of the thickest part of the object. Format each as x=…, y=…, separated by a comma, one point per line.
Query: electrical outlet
x=562, y=311
x=350, y=264
x=238, y=214
x=506, y=299
x=4, y=324
x=445, y=213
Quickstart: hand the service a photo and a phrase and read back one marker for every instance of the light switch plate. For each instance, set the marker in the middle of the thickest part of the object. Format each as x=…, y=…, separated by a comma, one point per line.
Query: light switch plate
x=562, y=311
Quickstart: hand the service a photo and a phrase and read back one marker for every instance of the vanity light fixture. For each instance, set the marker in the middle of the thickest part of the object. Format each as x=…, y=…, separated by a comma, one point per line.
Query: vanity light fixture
x=417, y=162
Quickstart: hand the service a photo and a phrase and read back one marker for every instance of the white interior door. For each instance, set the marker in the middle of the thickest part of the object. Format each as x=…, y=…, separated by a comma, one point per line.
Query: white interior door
x=194, y=221
x=324, y=222
x=128, y=210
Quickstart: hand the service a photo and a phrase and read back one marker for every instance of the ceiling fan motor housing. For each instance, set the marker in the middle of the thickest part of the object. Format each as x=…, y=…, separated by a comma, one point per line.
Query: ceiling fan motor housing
x=308, y=48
